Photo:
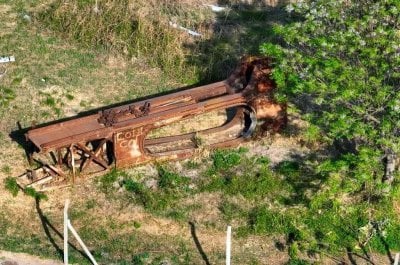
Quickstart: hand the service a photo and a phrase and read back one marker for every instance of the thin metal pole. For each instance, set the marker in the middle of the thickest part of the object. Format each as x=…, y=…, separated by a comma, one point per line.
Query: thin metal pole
x=66, y=232
x=228, y=245
x=81, y=243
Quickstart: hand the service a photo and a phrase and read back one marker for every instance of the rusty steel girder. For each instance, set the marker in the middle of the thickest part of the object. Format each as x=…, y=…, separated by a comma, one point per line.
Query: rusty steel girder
x=120, y=136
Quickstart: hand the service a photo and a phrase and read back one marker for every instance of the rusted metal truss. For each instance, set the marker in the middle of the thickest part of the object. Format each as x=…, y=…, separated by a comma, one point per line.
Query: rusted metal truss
x=130, y=134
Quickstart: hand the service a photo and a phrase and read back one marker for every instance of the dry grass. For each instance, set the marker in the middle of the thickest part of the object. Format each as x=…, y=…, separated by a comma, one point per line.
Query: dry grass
x=133, y=28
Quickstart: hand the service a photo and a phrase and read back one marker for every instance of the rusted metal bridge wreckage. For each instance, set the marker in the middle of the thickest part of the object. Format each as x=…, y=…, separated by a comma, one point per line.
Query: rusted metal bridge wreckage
x=136, y=133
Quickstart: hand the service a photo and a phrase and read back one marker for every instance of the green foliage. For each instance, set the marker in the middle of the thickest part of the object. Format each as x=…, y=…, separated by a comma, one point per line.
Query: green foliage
x=142, y=194
x=50, y=101
x=140, y=259
x=136, y=224
x=170, y=180
x=11, y=185
x=171, y=188
x=340, y=58
x=35, y=194
x=6, y=169
x=6, y=95
x=344, y=54
x=234, y=173
x=192, y=164
x=298, y=262
x=107, y=180
x=130, y=30
x=265, y=221
x=226, y=159
x=69, y=96
x=387, y=237
x=231, y=211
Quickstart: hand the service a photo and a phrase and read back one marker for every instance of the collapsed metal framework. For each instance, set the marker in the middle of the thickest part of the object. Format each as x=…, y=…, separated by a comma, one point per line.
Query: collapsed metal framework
x=119, y=136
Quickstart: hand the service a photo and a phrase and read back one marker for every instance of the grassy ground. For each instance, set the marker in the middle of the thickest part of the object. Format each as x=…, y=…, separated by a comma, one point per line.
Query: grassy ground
x=281, y=209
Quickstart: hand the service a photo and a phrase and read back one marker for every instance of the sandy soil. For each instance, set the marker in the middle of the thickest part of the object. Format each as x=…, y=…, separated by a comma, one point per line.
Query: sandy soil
x=10, y=258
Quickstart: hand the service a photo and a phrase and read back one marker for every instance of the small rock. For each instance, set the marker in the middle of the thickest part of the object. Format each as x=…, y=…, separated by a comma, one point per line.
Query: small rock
x=151, y=183
x=116, y=185
x=27, y=18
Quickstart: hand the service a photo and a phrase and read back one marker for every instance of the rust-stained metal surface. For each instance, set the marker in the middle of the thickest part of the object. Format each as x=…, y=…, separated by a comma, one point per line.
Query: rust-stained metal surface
x=119, y=136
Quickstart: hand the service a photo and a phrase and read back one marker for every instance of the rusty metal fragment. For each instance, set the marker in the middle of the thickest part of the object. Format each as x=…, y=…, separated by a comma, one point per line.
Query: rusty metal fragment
x=124, y=136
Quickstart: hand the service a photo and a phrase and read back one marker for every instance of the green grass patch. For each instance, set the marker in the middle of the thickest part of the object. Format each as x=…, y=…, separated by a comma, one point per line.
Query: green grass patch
x=11, y=185
x=35, y=194
x=171, y=180
x=6, y=96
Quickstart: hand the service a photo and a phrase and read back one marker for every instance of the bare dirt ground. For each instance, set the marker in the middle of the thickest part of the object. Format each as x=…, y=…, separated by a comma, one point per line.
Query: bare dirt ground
x=11, y=258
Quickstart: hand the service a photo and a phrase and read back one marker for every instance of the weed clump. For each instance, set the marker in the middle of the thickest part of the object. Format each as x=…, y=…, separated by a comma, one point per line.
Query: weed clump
x=11, y=185
x=35, y=194
x=171, y=180
x=6, y=95
x=171, y=188
x=106, y=181
x=226, y=159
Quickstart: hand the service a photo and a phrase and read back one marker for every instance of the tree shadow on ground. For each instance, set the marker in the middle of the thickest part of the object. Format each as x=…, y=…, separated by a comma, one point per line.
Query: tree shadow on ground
x=198, y=244
x=300, y=174
x=238, y=31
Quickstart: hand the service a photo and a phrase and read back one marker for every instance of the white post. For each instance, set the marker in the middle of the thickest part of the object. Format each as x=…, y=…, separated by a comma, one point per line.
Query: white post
x=81, y=243
x=67, y=225
x=396, y=259
x=228, y=245
x=66, y=232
